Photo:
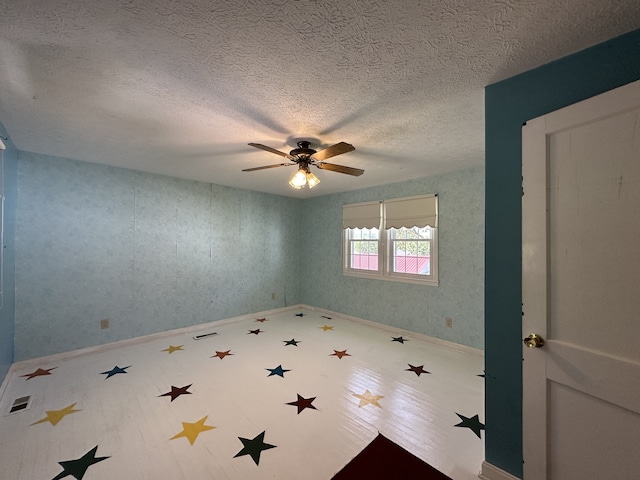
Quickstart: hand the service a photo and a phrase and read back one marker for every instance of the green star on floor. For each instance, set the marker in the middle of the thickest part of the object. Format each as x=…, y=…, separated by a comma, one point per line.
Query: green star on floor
x=253, y=447
x=293, y=342
x=472, y=423
x=277, y=371
x=114, y=371
x=77, y=468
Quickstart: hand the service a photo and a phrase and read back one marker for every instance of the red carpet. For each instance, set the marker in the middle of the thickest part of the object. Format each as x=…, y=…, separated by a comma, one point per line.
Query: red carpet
x=383, y=459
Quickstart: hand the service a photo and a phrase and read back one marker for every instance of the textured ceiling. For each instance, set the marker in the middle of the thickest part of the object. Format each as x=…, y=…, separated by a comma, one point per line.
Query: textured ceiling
x=179, y=87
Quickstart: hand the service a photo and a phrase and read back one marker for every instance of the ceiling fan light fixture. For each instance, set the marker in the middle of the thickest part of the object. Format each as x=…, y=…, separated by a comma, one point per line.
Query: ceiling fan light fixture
x=312, y=180
x=299, y=180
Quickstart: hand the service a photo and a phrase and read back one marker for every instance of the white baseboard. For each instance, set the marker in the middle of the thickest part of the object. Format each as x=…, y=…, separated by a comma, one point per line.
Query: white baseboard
x=491, y=472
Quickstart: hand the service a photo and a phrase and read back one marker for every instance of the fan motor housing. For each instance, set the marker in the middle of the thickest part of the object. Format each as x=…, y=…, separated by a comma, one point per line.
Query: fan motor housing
x=302, y=150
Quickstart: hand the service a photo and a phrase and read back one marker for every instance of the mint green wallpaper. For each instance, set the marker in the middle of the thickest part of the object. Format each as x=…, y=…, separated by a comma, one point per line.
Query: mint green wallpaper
x=417, y=308
x=149, y=253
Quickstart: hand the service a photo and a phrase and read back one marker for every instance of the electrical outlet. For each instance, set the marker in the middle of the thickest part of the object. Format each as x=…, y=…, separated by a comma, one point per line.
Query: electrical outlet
x=273, y=296
x=449, y=321
x=104, y=324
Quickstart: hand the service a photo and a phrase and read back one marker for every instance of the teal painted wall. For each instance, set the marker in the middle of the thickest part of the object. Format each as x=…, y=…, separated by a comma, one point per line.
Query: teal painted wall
x=417, y=308
x=7, y=305
x=508, y=105
x=147, y=252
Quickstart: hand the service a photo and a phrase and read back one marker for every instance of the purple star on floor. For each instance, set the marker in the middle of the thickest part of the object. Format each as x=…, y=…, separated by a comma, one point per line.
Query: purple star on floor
x=114, y=371
x=416, y=370
x=253, y=447
x=255, y=332
x=277, y=371
x=399, y=339
x=77, y=468
x=303, y=403
x=176, y=392
x=472, y=423
x=293, y=342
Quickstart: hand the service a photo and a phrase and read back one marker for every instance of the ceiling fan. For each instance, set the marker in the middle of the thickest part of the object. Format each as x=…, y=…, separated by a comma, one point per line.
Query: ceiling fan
x=304, y=156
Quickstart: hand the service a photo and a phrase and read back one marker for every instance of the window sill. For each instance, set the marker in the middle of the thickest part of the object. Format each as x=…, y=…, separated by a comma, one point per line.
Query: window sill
x=389, y=278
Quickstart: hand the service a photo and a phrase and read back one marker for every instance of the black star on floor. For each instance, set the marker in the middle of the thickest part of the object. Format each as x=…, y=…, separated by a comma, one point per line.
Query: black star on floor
x=176, y=392
x=255, y=332
x=293, y=342
x=416, y=370
x=299, y=314
x=277, y=371
x=472, y=423
x=114, y=371
x=77, y=468
x=303, y=403
x=399, y=339
x=253, y=447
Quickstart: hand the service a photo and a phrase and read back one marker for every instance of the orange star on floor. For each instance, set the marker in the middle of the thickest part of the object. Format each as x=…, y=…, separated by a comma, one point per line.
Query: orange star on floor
x=38, y=373
x=326, y=327
x=172, y=349
x=367, y=398
x=340, y=354
x=261, y=320
x=54, y=416
x=221, y=355
x=192, y=430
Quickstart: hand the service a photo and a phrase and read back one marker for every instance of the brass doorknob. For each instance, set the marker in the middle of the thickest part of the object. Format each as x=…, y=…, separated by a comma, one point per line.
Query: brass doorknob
x=534, y=341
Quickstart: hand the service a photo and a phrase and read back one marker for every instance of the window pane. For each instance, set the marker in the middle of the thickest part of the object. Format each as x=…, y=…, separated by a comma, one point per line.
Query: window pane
x=363, y=248
x=410, y=250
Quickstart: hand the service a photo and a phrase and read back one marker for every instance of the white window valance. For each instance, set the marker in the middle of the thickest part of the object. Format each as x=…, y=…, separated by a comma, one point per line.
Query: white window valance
x=361, y=215
x=411, y=212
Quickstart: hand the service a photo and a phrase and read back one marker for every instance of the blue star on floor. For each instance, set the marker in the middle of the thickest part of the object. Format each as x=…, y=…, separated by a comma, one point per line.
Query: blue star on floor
x=472, y=423
x=77, y=468
x=277, y=371
x=293, y=342
x=253, y=447
x=114, y=371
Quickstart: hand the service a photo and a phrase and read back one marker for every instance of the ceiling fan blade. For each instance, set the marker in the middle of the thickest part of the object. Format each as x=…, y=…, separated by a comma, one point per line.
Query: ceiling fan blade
x=272, y=150
x=268, y=166
x=333, y=150
x=356, y=172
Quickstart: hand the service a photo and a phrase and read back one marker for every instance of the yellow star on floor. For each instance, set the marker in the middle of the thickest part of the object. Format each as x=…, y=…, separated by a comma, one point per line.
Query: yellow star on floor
x=172, y=349
x=192, y=430
x=54, y=416
x=367, y=398
x=326, y=327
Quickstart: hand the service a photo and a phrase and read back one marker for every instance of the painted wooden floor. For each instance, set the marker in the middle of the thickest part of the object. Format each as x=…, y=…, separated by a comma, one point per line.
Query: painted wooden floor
x=295, y=395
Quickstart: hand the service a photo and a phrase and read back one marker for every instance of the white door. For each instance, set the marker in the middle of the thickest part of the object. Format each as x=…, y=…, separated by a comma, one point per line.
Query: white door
x=581, y=290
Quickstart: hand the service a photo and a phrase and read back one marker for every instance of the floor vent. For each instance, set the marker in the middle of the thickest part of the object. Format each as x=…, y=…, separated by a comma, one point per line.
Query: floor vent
x=204, y=335
x=20, y=404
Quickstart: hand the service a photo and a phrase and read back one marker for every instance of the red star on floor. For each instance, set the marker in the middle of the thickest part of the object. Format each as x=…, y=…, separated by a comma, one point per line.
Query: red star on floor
x=221, y=355
x=340, y=354
x=37, y=373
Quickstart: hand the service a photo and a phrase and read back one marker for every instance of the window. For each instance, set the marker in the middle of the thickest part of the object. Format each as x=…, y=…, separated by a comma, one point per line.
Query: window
x=392, y=240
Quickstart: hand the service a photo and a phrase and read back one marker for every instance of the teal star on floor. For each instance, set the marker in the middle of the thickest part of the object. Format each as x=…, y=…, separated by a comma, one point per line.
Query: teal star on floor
x=77, y=468
x=293, y=342
x=472, y=423
x=114, y=371
x=399, y=339
x=253, y=447
x=277, y=371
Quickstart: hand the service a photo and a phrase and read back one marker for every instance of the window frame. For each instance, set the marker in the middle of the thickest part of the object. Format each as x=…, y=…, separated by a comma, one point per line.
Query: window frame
x=385, y=253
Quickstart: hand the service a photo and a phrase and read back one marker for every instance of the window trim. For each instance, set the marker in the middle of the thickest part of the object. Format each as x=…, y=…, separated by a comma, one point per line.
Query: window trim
x=385, y=257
